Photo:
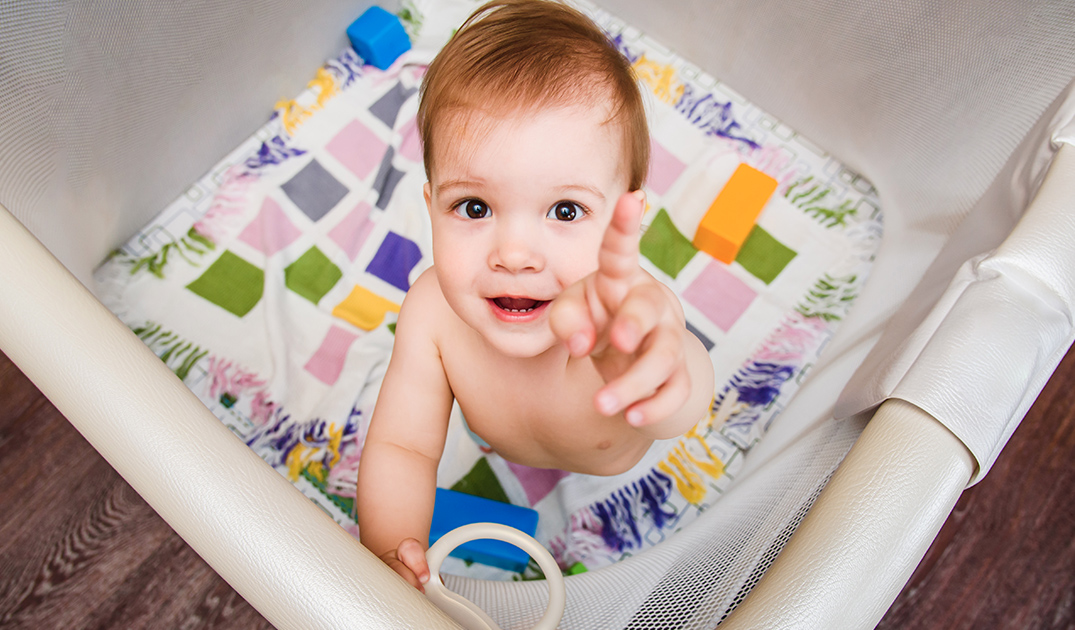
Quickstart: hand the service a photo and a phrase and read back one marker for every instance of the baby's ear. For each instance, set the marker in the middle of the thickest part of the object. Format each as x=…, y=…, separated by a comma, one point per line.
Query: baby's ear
x=427, y=192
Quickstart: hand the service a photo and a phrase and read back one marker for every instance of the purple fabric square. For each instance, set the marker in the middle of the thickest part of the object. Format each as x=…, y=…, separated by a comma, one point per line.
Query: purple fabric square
x=357, y=148
x=719, y=295
x=394, y=260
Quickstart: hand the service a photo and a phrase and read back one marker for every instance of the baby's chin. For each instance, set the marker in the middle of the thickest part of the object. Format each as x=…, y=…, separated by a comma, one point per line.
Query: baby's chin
x=522, y=345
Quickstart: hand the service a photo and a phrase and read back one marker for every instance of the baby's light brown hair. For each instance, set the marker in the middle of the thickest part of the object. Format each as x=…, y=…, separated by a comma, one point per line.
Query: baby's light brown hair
x=524, y=55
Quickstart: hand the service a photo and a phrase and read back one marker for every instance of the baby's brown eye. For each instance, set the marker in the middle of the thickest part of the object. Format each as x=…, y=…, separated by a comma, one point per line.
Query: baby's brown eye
x=473, y=209
x=565, y=211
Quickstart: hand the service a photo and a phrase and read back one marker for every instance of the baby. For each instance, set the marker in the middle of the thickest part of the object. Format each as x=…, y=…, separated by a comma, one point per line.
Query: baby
x=536, y=317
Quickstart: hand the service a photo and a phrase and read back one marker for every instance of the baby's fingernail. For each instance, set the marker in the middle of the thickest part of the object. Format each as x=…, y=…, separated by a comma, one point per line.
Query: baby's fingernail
x=634, y=417
x=577, y=343
x=607, y=403
x=423, y=578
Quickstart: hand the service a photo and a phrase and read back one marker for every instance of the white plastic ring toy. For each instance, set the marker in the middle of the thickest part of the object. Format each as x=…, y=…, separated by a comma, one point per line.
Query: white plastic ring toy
x=462, y=610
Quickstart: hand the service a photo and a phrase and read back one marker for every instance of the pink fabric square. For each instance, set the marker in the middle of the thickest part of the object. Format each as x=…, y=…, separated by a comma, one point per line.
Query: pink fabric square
x=271, y=230
x=537, y=482
x=664, y=168
x=327, y=363
x=411, y=145
x=357, y=148
x=351, y=233
x=719, y=295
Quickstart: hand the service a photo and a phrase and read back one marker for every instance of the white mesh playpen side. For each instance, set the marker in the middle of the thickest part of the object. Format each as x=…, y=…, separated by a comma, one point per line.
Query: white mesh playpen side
x=953, y=111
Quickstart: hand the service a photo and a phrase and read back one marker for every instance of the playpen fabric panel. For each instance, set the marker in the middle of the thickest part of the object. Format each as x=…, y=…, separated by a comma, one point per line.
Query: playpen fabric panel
x=271, y=288
x=101, y=105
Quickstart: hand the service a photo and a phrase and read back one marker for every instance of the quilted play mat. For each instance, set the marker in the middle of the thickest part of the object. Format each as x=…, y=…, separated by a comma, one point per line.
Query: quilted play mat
x=271, y=287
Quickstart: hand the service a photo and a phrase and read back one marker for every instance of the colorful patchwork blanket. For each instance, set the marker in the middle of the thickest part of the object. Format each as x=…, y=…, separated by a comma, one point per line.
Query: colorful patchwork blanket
x=271, y=287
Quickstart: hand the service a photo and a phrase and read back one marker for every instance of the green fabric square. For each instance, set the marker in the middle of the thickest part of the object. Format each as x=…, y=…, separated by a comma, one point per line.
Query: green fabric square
x=764, y=256
x=231, y=283
x=312, y=275
x=665, y=246
x=481, y=481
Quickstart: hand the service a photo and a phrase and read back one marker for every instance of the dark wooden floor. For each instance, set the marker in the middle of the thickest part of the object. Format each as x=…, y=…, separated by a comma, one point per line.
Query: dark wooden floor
x=79, y=549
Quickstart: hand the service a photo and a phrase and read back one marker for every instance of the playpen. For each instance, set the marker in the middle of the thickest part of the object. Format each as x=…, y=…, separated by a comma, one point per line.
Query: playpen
x=960, y=114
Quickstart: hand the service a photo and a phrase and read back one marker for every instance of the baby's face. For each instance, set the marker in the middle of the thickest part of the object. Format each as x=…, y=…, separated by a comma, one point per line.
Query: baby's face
x=519, y=206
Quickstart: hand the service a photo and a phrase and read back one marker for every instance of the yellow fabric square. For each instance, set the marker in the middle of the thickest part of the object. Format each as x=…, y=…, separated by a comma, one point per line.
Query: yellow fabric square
x=364, y=309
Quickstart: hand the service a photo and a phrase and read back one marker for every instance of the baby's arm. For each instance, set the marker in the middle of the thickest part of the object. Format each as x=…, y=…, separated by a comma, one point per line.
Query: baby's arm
x=398, y=471
x=656, y=372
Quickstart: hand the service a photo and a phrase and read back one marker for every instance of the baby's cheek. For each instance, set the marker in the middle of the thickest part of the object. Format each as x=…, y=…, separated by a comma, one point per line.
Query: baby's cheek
x=449, y=267
x=586, y=261
x=575, y=271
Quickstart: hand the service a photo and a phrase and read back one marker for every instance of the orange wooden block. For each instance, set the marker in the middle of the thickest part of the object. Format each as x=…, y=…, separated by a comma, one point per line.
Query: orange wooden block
x=731, y=217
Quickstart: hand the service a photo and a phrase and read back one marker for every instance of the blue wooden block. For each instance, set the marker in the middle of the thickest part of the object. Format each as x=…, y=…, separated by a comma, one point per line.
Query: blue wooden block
x=378, y=37
x=454, y=509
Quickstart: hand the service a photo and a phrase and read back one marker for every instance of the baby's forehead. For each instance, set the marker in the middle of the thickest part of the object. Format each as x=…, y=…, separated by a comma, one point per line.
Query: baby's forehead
x=461, y=128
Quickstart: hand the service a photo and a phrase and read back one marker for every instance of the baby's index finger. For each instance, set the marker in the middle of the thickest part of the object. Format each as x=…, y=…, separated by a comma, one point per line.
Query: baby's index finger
x=617, y=262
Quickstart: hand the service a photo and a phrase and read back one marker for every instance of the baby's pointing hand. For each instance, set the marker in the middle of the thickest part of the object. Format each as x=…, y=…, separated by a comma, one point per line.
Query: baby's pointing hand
x=623, y=318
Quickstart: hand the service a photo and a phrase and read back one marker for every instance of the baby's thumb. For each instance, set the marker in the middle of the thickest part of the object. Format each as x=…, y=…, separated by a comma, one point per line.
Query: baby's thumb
x=413, y=556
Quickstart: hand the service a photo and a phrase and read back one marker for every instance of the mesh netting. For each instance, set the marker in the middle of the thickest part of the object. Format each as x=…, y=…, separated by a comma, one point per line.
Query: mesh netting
x=109, y=110
x=696, y=578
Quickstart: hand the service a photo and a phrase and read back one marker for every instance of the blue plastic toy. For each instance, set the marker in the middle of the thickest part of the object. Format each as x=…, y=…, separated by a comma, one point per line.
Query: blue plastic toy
x=378, y=37
x=454, y=509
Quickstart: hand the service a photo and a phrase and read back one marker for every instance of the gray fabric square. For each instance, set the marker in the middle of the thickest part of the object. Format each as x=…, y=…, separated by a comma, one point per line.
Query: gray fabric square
x=314, y=190
x=705, y=340
x=387, y=107
x=387, y=178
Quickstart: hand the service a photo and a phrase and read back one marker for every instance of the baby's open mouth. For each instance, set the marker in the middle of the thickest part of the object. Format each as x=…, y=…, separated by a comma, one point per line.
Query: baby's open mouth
x=517, y=304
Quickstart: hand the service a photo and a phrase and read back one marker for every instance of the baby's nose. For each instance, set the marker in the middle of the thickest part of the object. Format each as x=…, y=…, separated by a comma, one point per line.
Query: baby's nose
x=517, y=250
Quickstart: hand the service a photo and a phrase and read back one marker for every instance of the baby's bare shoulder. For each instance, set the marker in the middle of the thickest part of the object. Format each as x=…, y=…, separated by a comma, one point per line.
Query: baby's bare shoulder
x=425, y=290
x=426, y=320
x=424, y=305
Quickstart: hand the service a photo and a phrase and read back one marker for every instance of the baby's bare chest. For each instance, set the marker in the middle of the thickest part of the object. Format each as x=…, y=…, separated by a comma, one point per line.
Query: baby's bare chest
x=542, y=415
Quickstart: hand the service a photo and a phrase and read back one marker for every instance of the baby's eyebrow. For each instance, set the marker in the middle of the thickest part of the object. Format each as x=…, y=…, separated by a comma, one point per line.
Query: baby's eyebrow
x=452, y=184
x=593, y=190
